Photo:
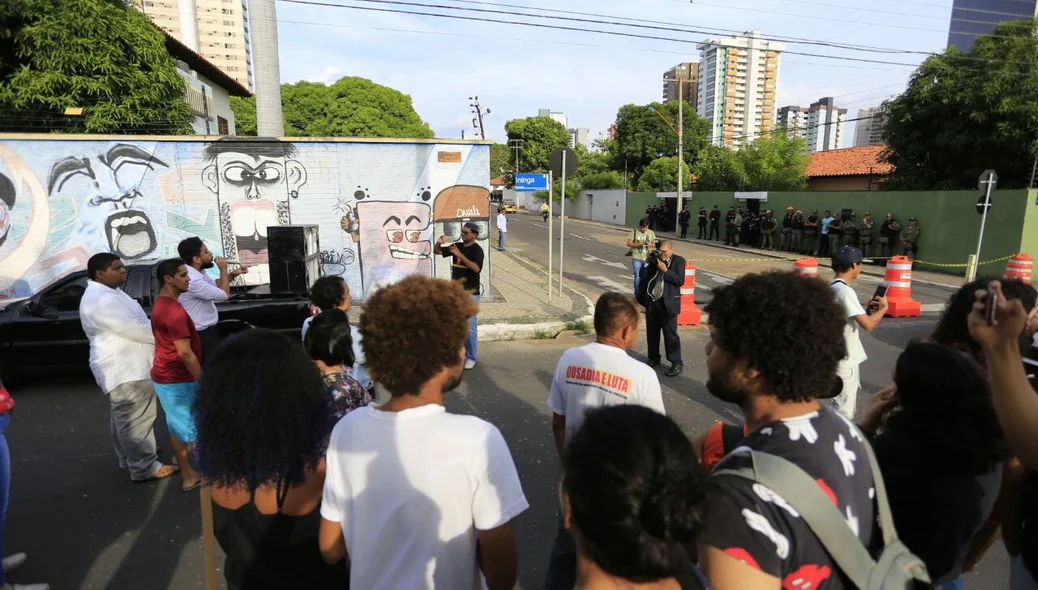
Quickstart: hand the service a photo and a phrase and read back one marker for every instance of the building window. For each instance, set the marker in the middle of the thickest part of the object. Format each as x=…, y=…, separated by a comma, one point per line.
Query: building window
x=222, y=126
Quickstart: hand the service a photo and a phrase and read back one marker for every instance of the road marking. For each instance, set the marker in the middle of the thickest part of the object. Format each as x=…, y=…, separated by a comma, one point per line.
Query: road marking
x=539, y=224
x=717, y=278
x=591, y=258
x=579, y=237
x=610, y=284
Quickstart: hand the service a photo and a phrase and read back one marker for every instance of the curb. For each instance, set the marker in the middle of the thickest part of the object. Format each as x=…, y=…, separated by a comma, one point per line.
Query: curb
x=543, y=330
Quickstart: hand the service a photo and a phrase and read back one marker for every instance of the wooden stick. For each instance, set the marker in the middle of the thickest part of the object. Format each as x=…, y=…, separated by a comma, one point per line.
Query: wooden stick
x=209, y=539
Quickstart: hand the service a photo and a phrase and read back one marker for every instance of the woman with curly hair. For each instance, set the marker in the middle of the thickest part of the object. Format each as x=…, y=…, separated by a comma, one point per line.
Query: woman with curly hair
x=940, y=448
x=262, y=414
x=631, y=497
x=330, y=344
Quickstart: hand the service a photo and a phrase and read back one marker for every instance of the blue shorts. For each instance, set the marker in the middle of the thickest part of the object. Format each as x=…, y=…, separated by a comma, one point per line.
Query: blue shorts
x=177, y=400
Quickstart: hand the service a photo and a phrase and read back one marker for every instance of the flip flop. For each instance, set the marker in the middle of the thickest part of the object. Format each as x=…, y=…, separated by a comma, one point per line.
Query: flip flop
x=162, y=473
x=189, y=487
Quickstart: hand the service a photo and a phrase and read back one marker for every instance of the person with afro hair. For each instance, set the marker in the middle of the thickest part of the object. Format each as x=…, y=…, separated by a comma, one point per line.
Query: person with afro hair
x=417, y=497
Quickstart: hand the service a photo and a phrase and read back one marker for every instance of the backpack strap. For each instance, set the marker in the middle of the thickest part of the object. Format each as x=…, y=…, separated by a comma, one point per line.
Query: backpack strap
x=806, y=497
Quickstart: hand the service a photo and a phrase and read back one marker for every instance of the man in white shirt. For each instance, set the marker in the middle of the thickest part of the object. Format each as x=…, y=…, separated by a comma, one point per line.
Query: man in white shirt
x=847, y=266
x=416, y=497
x=121, y=351
x=203, y=291
x=593, y=376
x=502, y=227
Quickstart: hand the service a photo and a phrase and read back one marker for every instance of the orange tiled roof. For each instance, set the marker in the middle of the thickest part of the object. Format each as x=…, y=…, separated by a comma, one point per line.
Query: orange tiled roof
x=856, y=161
x=500, y=180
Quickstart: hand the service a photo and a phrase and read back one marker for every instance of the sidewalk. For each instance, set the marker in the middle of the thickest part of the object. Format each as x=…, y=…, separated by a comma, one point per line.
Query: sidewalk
x=920, y=276
x=518, y=308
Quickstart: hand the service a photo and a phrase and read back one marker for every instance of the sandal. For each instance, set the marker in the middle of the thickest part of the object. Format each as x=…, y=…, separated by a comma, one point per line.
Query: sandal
x=187, y=487
x=162, y=473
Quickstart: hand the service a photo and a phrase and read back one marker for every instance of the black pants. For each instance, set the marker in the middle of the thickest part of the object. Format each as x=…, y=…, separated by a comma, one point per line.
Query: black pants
x=210, y=338
x=715, y=232
x=729, y=233
x=702, y=231
x=657, y=319
x=823, y=245
x=684, y=231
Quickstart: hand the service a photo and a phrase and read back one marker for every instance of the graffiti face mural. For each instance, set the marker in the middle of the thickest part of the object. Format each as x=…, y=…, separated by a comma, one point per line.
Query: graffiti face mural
x=378, y=206
x=395, y=241
x=105, y=185
x=254, y=182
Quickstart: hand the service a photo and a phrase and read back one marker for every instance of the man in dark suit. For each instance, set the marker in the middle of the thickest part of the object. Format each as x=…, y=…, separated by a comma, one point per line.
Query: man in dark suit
x=661, y=297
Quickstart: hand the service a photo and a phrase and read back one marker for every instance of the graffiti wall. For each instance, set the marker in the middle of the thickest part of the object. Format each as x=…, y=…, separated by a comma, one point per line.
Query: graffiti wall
x=380, y=205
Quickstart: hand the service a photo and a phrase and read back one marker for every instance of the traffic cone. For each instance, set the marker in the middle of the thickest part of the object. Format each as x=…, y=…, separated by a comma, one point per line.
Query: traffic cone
x=806, y=267
x=1020, y=267
x=898, y=280
x=690, y=314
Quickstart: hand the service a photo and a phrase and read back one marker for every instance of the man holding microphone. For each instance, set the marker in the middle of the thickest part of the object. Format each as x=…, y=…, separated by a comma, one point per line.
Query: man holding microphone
x=203, y=292
x=467, y=264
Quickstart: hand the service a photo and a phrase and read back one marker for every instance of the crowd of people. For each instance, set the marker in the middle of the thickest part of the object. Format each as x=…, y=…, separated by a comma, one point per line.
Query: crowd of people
x=800, y=233
x=315, y=486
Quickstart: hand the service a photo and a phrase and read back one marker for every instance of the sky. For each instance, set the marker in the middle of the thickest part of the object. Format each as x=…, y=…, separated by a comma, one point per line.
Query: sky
x=516, y=70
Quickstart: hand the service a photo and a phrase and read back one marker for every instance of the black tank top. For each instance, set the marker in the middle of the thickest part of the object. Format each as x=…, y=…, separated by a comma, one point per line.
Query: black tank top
x=274, y=551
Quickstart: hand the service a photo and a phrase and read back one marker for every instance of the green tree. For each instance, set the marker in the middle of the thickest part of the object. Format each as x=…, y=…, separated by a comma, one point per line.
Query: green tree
x=591, y=161
x=351, y=107
x=661, y=175
x=541, y=136
x=244, y=110
x=572, y=191
x=101, y=55
x=962, y=114
x=502, y=162
x=720, y=169
x=602, y=180
x=642, y=136
x=776, y=162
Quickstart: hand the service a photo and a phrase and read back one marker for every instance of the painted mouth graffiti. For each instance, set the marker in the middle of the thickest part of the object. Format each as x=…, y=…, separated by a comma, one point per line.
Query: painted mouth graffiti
x=250, y=221
x=130, y=234
x=405, y=253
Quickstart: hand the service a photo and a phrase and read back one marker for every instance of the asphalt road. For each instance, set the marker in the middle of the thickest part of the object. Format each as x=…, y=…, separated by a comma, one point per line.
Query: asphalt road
x=595, y=261
x=86, y=526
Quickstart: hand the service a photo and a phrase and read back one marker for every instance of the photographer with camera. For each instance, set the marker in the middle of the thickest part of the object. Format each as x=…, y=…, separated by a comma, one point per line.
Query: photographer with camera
x=660, y=292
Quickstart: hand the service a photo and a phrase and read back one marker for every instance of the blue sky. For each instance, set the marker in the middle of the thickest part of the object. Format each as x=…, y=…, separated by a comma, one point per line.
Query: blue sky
x=517, y=70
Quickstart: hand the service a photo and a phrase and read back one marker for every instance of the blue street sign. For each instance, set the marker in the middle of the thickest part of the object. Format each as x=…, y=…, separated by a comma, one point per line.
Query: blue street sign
x=529, y=183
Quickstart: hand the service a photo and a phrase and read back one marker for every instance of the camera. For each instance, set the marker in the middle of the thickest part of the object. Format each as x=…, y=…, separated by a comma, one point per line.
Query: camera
x=653, y=258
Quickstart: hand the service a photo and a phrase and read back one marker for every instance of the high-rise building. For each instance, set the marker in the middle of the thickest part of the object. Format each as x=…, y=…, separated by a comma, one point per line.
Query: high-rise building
x=579, y=136
x=738, y=80
x=554, y=116
x=974, y=18
x=687, y=75
x=218, y=30
x=821, y=124
x=870, y=127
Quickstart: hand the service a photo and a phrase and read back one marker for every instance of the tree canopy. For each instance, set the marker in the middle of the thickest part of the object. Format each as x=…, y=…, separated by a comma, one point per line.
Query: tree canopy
x=661, y=175
x=351, y=107
x=642, y=136
x=775, y=162
x=101, y=55
x=962, y=114
x=502, y=162
x=541, y=136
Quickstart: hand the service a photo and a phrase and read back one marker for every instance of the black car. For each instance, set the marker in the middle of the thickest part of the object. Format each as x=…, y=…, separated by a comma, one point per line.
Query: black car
x=43, y=332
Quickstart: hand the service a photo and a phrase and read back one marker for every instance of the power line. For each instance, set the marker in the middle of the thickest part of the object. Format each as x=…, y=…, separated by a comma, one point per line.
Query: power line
x=597, y=31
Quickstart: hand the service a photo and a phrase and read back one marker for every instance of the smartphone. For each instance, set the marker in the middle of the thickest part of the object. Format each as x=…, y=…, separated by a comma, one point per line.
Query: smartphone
x=880, y=292
x=992, y=301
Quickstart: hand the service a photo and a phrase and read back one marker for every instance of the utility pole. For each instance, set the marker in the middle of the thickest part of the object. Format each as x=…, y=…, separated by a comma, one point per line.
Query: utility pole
x=681, y=151
x=516, y=144
x=478, y=110
x=463, y=135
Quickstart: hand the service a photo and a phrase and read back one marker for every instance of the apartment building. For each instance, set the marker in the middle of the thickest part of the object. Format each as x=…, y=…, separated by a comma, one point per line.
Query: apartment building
x=870, y=127
x=218, y=30
x=554, y=116
x=579, y=136
x=738, y=81
x=685, y=75
x=821, y=124
x=975, y=18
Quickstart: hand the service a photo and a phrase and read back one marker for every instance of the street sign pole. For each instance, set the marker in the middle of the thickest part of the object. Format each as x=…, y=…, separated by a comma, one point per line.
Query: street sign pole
x=562, y=221
x=987, y=181
x=551, y=238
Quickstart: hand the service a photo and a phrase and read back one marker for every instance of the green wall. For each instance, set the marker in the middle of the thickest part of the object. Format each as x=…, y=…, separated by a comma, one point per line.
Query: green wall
x=636, y=204
x=948, y=219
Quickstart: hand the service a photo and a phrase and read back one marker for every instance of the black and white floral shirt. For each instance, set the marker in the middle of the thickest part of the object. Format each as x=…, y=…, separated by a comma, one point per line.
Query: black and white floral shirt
x=755, y=525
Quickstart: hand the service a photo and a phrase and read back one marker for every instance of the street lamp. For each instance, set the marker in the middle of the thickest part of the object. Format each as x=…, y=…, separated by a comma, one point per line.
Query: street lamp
x=680, y=131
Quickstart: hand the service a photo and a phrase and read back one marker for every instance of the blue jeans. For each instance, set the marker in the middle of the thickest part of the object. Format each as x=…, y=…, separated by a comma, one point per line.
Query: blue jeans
x=637, y=265
x=470, y=342
x=5, y=482
x=500, y=240
x=959, y=584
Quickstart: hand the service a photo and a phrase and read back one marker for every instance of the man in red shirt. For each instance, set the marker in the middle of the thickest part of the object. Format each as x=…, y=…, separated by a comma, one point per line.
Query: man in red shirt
x=177, y=368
